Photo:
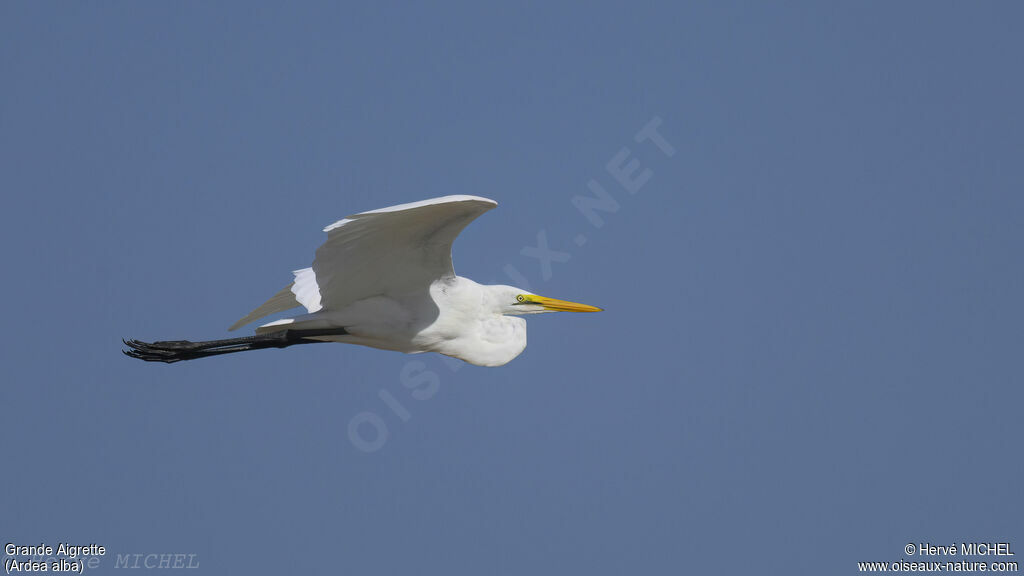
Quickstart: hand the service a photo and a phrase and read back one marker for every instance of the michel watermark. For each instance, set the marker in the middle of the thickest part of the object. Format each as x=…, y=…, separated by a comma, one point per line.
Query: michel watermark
x=962, y=557
x=81, y=558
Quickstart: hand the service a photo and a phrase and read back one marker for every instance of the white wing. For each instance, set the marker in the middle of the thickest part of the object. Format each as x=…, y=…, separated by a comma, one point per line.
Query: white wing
x=283, y=300
x=390, y=251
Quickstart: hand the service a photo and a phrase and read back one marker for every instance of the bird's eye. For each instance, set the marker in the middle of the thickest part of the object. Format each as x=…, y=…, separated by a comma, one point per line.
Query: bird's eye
x=521, y=298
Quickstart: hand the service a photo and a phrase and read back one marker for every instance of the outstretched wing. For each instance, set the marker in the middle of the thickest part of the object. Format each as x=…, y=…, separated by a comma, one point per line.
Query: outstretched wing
x=392, y=251
x=283, y=300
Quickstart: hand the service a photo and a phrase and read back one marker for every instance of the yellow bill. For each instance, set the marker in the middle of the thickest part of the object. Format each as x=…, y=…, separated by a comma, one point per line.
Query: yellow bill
x=556, y=305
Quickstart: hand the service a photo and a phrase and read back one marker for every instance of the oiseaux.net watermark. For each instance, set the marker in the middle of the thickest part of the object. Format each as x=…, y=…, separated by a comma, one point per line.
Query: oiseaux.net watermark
x=627, y=172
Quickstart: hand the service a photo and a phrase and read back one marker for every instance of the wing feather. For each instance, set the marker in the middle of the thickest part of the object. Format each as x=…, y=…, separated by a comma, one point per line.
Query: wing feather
x=391, y=251
x=283, y=300
x=394, y=250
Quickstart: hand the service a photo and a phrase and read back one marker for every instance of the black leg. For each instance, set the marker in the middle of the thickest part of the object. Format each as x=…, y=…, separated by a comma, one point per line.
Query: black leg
x=177, y=350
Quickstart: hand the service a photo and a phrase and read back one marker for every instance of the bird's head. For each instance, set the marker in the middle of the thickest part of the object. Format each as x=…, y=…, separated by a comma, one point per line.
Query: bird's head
x=516, y=301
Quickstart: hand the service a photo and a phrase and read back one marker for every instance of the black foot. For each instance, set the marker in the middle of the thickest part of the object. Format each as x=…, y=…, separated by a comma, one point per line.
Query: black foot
x=176, y=350
x=169, y=351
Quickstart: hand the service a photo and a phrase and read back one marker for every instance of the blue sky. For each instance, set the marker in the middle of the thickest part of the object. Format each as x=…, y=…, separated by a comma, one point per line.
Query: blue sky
x=811, y=350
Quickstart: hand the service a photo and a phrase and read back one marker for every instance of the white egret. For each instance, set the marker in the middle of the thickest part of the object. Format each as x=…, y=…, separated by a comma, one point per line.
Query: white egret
x=384, y=279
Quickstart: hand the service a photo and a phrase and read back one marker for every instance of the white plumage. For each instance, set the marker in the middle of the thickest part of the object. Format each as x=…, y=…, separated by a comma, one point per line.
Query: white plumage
x=384, y=279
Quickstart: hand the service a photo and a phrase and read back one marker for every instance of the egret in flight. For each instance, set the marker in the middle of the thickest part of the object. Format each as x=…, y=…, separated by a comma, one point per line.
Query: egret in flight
x=384, y=279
